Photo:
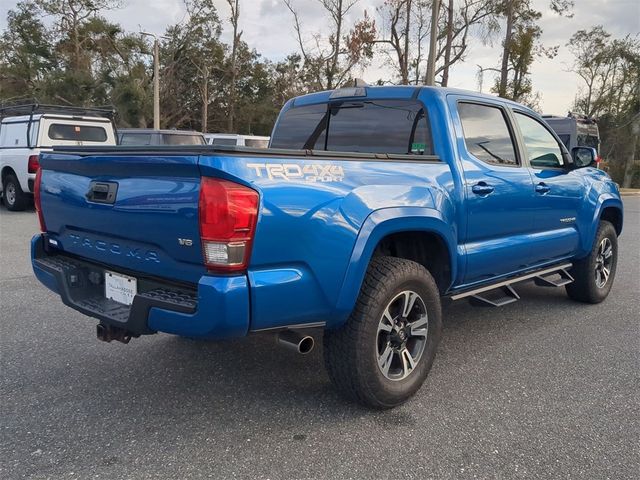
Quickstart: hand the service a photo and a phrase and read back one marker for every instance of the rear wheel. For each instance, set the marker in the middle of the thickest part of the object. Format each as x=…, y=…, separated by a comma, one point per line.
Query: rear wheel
x=14, y=198
x=381, y=356
x=594, y=274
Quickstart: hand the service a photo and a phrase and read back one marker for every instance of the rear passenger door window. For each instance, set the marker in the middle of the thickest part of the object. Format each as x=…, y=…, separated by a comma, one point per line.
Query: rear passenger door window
x=486, y=134
x=542, y=148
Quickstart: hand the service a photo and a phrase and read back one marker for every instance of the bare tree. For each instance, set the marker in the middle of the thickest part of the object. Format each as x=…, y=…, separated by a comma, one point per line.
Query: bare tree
x=456, y=31
x=398, y=15
x=407, y=25
x=329, y=59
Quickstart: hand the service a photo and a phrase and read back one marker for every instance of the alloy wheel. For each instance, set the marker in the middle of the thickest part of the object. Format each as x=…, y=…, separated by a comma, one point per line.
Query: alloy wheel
x=604, y=262
x=402, y=335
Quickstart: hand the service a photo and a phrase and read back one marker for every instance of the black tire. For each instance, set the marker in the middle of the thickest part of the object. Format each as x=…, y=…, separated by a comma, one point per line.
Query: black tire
x=352, y=352
x=14, y=198
x=587, y=287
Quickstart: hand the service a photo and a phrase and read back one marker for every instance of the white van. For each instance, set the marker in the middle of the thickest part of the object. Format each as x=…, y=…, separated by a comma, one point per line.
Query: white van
x=232, y=139
x=575, y=130
x=28, y=129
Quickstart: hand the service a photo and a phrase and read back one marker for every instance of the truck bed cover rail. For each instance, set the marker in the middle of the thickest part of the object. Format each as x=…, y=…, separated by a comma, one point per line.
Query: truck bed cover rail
x=239, y=151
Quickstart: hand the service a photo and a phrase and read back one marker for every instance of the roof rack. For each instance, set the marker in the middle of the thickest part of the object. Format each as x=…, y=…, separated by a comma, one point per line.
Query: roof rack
x=32, y=107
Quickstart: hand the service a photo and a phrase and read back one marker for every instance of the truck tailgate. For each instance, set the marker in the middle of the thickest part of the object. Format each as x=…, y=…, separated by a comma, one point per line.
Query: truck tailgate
x=138, y=212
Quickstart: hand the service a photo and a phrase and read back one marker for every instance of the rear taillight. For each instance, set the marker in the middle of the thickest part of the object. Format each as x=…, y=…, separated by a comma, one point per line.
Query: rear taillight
x=34, y=164
x=228, y=216
x=36, y=200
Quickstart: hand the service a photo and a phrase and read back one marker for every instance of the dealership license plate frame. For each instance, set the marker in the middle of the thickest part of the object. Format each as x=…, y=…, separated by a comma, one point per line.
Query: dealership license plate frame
x=120, y=288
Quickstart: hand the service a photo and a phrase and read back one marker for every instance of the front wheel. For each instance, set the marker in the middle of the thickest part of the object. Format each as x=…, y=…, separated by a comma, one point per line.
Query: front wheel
x=381, y=356
x=594, y=274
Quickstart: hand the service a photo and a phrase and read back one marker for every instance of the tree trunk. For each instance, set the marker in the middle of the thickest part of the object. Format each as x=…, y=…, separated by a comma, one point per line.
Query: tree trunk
x=433, y=39
x=448, y=46
x=404, y=66
x=234, y=52
x=336, y=52
x=504, y=69
x=205, y=100
x=631, y=158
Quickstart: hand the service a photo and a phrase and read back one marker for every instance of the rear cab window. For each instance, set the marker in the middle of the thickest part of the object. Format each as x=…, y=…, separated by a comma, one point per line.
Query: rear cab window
x=224, y=141
x=143, y=139
x=182, y=139
x=366, y=126
x=256, y=143
x=77, y=132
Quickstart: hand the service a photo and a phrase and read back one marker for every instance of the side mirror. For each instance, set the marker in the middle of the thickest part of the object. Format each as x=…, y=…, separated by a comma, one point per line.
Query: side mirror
x=584, y=157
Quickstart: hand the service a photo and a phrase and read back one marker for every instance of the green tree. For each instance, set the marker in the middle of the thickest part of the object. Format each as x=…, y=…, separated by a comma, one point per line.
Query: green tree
x=521, y=45
x=26, y=54
x=193, y=67
x=610, y=70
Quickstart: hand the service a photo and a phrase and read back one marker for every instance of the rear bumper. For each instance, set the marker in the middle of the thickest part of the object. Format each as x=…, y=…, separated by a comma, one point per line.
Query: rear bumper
x=218, y=307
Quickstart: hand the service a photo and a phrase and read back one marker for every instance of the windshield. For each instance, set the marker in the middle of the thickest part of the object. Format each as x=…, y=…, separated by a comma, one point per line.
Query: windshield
x=588, y=141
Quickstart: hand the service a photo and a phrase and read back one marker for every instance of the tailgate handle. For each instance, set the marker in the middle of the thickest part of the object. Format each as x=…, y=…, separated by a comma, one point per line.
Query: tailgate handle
x=102, y=192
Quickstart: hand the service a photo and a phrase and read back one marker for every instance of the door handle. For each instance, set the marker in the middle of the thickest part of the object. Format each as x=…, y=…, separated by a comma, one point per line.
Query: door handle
x=482, y=189
x=542, y=188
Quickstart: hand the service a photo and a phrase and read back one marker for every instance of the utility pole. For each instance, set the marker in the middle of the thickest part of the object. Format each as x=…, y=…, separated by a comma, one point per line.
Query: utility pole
x=156, y=80
x=430, y=77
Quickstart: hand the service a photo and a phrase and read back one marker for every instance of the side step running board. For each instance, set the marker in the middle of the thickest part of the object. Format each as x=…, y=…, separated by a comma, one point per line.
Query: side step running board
x=498, y=297
x=502, y=293
x=555, y=279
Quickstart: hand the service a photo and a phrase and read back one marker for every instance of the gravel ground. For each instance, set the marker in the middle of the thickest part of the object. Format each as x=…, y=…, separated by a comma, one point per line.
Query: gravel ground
x=543, y=388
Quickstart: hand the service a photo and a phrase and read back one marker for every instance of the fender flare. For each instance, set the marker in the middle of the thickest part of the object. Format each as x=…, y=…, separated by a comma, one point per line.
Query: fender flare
x=376, y=226
x=606, y=200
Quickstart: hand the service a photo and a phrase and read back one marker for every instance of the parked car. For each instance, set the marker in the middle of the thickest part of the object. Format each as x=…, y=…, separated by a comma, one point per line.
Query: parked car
x=27, y=129
x=149, y=136
x=575, y=130
x=232, y=139
x=372, y=205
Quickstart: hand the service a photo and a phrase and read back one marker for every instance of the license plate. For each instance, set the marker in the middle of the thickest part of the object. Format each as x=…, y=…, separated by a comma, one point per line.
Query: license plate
x=120, y=288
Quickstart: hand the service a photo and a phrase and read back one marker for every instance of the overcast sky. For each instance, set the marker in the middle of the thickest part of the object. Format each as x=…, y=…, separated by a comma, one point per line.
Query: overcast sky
x=267, y=27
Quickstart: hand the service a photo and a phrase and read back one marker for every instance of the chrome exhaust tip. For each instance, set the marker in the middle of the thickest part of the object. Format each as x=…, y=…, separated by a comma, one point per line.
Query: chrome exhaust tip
x=292, y=340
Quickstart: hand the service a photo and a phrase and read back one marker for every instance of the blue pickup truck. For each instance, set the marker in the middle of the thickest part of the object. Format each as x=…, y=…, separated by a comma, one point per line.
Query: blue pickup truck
x=371, y=205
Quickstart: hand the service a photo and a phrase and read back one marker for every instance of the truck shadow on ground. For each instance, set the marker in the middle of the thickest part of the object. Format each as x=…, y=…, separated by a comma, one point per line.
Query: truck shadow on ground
x=181, y=376
x=182, y=392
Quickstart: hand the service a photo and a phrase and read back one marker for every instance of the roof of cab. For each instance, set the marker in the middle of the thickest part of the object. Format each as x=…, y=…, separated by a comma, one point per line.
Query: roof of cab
x=152, y=130
x=61, y=116
x=399, y=92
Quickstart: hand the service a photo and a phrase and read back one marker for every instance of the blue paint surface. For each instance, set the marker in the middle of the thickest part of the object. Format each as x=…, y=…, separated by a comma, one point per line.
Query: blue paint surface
x=314, y=239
